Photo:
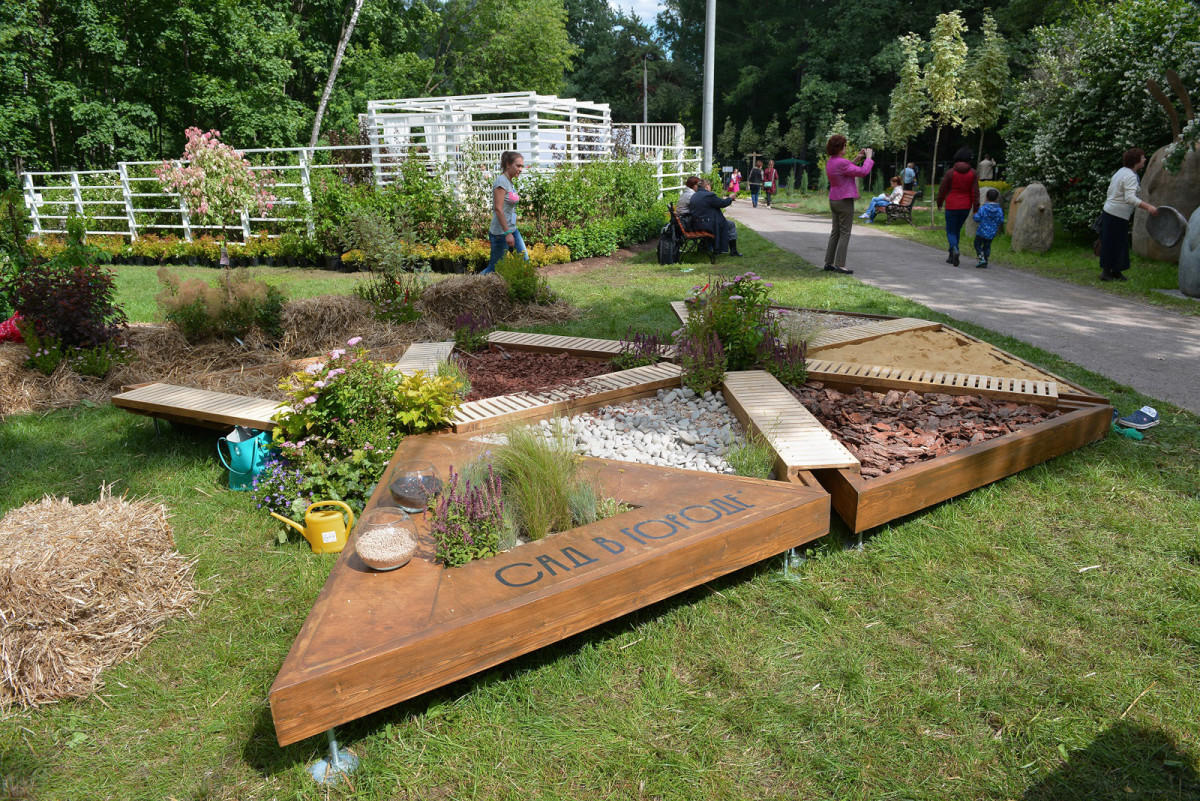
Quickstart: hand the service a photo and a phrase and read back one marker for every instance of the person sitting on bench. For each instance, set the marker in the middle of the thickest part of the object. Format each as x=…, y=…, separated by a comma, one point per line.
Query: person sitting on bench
x=683, y=205
x=883, y=199
x=706, y=216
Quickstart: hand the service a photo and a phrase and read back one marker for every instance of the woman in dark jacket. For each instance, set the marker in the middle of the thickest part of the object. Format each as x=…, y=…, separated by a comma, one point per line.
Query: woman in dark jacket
x=706, y=216
x=959, y=192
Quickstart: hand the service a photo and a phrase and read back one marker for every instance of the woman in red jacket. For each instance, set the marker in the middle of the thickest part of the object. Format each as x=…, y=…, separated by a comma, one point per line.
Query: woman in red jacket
x=959, y=193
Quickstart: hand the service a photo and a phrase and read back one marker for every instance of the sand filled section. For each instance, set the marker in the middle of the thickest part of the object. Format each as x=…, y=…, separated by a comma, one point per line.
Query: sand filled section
x=943, y=351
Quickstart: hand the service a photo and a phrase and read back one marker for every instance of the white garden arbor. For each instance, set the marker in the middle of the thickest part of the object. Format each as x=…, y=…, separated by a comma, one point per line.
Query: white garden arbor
x=447, y=132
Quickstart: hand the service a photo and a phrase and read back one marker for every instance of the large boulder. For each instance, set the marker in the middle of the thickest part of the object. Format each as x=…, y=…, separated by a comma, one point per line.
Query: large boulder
x=1161, y=188
x=1189, y=258
x=1011, y=220
x=1033, y=229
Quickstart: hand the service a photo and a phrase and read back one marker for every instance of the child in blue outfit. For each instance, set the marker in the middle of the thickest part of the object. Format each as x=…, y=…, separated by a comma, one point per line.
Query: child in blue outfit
x=989, y=217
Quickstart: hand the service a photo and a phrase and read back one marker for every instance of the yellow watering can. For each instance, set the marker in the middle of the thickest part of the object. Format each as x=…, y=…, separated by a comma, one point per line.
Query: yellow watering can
x=325, y=531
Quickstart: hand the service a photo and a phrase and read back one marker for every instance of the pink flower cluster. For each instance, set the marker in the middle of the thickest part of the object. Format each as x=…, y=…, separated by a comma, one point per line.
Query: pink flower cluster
x=215, y=180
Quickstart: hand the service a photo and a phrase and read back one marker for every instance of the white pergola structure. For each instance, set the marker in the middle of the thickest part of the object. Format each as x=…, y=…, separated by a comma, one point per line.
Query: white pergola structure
x=545, y=129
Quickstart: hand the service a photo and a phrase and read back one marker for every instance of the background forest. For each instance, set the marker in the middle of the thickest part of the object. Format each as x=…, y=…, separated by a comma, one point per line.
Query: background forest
x=90, y=82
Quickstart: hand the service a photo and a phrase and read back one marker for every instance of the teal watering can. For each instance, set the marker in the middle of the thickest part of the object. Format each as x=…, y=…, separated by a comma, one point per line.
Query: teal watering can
x=247, y=456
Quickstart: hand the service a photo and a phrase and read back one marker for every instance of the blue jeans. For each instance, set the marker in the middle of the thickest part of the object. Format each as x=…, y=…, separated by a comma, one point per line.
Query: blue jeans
x=876, y=205
x=983, y=248
x=500, y=249
x=754, y=189
x=955, y=219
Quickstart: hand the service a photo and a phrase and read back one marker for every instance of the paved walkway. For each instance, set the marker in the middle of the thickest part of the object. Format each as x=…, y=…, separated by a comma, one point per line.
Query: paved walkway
x=1154, y=350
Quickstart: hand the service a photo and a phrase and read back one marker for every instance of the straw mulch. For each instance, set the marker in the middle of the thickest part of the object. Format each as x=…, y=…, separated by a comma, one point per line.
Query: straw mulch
x=312, y=327
x=82, y=588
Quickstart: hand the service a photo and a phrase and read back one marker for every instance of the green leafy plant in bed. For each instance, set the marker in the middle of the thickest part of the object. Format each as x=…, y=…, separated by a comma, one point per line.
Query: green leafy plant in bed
x=525, y=285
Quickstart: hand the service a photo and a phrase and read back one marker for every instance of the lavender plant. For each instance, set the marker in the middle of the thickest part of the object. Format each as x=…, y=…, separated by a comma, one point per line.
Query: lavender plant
x=702, y=359
x=468, y=521
x=638, y=350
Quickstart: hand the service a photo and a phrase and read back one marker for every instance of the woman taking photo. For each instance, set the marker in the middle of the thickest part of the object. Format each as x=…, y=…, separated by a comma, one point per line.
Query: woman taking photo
x=843, y=191
x=959, y=192
x=1119, y=206
x=503, y=232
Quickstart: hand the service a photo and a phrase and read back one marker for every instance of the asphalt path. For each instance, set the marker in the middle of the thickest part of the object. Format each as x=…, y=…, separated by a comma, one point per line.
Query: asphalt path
x=1149, y=348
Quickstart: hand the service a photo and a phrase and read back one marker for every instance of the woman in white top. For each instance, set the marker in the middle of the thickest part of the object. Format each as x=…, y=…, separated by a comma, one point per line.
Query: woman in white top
x=1119, y=206
x=503, y=231
x=683, y=206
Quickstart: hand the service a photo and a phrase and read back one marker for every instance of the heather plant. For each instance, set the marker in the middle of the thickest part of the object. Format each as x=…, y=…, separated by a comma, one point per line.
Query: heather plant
x=638, y=350
x=702, y=359
x=228, y=309
x=471, y=331
x=44, y=354
x=468, y=520
x=97, y=361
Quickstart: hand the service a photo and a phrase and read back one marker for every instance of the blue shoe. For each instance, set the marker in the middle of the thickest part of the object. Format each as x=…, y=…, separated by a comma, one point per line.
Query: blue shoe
x=1145, y=417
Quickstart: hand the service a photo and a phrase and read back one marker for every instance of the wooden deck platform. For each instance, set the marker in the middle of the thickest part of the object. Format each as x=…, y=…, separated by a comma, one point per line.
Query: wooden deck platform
x=589, y=393
x=423, y=356
x=375, y=639
x=584, y=347
x=1043, y=393
x=198, y=407
x=800, y=442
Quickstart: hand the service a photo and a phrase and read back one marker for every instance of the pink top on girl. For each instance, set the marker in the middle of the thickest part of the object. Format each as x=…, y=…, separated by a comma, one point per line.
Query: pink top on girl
x=735, y=183
x=842, y=172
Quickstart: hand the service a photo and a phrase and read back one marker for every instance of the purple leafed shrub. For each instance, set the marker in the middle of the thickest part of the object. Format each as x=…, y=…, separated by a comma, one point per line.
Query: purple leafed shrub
x=468, y=520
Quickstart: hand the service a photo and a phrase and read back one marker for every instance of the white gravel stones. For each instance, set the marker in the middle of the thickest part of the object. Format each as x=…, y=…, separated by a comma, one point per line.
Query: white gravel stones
x=675, y=429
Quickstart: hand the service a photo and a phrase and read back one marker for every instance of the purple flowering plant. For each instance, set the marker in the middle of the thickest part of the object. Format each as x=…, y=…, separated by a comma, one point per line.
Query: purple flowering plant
x=468, y=520
x=638, y=349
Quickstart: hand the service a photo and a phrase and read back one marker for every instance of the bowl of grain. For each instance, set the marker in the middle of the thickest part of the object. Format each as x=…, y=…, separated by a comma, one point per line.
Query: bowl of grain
x=386, y=538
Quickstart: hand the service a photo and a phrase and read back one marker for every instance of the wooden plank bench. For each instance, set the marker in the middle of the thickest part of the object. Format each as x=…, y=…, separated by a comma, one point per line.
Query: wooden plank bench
x=800, y=442
x=1043, y=393
x=586, y=394
x=198, y=407
x=902, y=210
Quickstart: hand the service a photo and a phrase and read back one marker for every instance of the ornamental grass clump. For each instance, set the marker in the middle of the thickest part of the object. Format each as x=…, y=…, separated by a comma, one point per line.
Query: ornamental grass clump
x=468, y=521
x=229, y=309
x=542, y=478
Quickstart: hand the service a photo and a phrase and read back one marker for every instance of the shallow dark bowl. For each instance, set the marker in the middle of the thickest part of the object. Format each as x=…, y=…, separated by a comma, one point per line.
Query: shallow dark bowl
x=1168, y=228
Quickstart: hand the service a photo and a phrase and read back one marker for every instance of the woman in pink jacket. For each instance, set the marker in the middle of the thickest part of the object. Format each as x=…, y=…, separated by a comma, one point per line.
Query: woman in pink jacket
x=843, y=191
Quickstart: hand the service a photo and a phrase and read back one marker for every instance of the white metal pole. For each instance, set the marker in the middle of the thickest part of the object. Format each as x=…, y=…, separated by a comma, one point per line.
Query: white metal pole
x=645, y=90
x=710, y=48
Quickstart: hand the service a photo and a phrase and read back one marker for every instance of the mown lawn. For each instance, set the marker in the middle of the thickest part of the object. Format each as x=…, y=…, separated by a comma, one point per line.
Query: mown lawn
x=1037, y=638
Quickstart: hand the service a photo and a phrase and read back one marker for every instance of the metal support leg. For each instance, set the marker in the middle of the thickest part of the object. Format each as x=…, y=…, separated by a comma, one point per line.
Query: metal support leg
x=157, y=430
x=791, y=559
x=341, y=762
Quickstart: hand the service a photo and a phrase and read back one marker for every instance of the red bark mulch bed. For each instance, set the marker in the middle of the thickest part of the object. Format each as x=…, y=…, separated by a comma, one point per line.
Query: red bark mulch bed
x=494, y=372
x=887, y=432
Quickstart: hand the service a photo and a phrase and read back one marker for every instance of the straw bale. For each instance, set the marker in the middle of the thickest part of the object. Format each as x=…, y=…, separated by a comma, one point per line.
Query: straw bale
x=82, y=588
x=477, y=294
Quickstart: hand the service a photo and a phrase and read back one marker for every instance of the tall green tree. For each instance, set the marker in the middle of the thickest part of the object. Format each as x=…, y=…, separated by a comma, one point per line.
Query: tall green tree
x=748, y=140
x=871, y=133
x=727, y=140
x=988, y=81
x=944, y=77
x=907, y=114
x=772, y=141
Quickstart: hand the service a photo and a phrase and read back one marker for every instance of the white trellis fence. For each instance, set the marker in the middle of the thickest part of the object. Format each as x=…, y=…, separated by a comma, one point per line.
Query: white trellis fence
x=450, y=132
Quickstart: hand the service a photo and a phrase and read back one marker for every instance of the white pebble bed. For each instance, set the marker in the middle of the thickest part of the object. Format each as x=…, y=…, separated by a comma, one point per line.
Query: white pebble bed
x=675, y=429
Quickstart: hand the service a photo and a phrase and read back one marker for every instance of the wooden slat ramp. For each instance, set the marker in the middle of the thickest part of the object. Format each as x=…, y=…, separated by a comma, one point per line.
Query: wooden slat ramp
x=424, y=356
x=198, y=406
x=680, y=309
x=1043, y=393
x=869, y=331
x=588, y=393
x=800, y=442
x=576, y=346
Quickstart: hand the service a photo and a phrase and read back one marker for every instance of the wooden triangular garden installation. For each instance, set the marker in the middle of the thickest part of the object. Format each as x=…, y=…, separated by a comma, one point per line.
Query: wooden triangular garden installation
x=375, y=639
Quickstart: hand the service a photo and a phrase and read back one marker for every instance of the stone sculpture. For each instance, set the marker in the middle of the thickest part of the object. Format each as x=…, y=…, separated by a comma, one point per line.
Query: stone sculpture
x=1189, y=258
x=1161, y=188
x=1033, y=228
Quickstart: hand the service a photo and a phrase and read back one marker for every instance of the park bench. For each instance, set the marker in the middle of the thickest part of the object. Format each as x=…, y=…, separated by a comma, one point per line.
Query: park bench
x=688, y=239
x=903, y=209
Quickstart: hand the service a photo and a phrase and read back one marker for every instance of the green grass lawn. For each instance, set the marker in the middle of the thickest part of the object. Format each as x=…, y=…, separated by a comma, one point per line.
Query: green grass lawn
x=1069, y=259
x=964, y=652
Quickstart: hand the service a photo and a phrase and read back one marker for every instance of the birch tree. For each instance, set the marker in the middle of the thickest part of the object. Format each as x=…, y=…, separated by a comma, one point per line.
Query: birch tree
x=908, y=112
x=944, y=77
x=333, y=72
x=989, y=79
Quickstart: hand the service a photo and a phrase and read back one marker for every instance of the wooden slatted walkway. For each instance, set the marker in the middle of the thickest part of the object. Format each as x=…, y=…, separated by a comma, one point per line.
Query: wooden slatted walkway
x=198, y=406
x=680, y=309
x=591, y=392
x=576, y=346
x=424, y=356
x=1044, y=393
x=800, y=442
x=869, y=331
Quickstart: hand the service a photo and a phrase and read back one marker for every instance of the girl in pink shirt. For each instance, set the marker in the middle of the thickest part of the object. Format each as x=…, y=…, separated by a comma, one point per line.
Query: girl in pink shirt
x=843, y=191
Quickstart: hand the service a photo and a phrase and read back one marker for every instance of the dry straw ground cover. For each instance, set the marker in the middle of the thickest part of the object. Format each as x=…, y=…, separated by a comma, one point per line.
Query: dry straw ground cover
x=82, y=588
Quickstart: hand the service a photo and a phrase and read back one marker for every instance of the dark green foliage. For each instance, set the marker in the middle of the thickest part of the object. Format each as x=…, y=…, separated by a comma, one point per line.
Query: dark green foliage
x=14, y=249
